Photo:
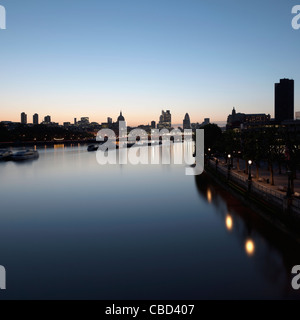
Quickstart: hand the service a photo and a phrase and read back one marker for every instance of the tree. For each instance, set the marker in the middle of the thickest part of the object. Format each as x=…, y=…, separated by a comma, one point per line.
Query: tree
x=252, y=148
x=212, y=136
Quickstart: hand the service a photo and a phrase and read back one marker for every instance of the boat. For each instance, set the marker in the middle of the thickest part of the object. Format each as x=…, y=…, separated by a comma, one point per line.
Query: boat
x=25, y=155
x=5, y=155
x=92, y=147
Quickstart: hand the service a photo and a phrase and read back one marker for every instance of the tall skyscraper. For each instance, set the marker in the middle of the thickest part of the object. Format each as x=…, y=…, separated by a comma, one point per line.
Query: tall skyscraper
x=165, y=120
x=109, y=120
x=23, y=118
x=284, y=100
x=47, y=119
x=186, y=122
x=153, y=124
x=35, y=118
x=75, y=121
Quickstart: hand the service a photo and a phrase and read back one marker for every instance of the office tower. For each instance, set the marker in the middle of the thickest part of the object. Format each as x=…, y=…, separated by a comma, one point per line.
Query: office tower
x=165, y=120
x=284, y=100
x=85, y=120
x=35, y=118
x=47, y=119
x=186, y=122
x=109, y=120
x=168, y=117
x=23, y=118
x=153, y=124
x=75, y=121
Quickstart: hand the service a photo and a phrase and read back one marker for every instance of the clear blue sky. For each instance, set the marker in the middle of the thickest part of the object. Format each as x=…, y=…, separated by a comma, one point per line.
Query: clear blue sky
x=73, y=58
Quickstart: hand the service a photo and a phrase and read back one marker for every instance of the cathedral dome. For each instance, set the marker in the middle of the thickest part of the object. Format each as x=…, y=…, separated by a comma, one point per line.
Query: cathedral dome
x=120, y=117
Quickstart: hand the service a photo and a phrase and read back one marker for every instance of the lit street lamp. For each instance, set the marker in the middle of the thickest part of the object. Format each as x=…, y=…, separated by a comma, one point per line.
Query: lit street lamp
x=228, y=163
x=249, y=176
x=208, y=156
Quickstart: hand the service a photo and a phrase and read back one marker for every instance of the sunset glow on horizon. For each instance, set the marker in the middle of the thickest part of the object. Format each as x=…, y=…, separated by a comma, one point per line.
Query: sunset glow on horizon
x=144, y=57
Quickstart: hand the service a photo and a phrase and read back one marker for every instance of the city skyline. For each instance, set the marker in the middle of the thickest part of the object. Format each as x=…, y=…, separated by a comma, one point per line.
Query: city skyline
x=284, y=109
x=145, y=57
x=48, y=119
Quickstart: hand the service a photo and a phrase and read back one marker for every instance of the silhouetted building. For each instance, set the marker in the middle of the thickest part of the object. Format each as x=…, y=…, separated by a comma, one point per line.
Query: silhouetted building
x=242, y=120
x=165, y=120
x=85, y=120
x=109, y=120
x=153, y=124
x=23, y=118
x=75, y=121
x=120, y=117
x=186, y=122
x=284, y=100
x=146, y=128
x=206, y=121
x=47, y=119
x=67, y=124
x=198, y=125
x=35, y=119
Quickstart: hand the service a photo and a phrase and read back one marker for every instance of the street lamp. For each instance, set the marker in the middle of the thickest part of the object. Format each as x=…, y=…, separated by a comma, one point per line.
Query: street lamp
x=208, y=156
x=228, y=163
x=249, y=176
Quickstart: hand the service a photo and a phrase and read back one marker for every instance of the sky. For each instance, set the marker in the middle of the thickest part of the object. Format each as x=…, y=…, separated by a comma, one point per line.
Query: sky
x=75, y=58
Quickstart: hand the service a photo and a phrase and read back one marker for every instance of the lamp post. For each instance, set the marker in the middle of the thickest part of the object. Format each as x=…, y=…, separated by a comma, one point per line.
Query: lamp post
x=228, y=166
x=249, y=176
x=208, y=156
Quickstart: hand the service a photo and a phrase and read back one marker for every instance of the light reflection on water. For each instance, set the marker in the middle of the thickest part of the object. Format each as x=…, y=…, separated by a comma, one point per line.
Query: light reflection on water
x=229, y=222
x=71, y=228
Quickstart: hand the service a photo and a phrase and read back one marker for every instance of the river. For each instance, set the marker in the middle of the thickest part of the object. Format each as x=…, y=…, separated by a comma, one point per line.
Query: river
x=74, y=229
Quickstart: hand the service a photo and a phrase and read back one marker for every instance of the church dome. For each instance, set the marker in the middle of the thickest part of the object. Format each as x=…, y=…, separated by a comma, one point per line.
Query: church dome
x=120, y=117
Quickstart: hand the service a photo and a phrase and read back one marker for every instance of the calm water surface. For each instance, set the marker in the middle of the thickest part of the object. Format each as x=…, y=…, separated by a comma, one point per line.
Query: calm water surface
x=72, y=229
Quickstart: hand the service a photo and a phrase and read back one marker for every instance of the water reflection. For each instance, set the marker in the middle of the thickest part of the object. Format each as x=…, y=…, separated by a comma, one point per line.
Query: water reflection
x=250, y=247
x=59, y=146
x=229, y=222
x=209, y=196
x=273, y=252
x=133, y=232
